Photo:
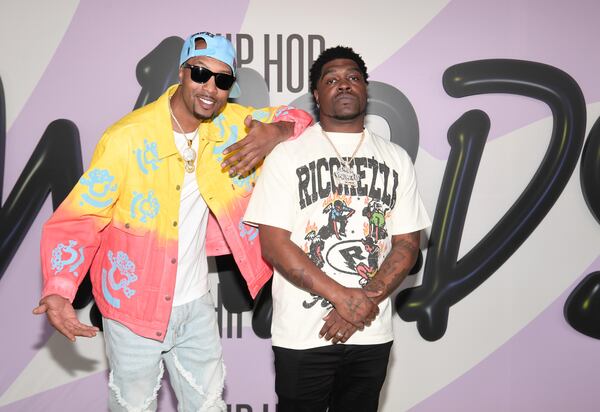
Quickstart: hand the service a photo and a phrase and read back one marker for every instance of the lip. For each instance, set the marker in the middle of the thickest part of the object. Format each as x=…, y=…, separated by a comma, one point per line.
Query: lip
x=345, y=96
x=206, y=102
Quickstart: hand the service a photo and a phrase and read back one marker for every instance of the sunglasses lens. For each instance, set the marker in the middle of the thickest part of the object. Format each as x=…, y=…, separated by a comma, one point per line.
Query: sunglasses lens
x=224, y=81
x=200, y=74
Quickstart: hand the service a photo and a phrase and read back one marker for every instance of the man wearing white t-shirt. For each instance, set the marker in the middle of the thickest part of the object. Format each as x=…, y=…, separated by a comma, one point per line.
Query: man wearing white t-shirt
x=167, y=186
x=340, y=218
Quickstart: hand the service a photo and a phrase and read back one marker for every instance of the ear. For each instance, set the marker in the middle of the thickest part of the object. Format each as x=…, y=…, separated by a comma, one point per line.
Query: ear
x=316, y=96
x=180, y=75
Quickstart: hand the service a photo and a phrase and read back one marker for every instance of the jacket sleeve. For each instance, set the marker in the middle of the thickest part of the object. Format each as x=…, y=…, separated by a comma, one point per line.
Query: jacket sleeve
x=71, y=237
x=299, y=117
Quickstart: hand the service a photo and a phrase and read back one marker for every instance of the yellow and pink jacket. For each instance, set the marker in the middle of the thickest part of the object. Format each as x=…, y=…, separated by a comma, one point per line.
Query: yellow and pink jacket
x=120, y=219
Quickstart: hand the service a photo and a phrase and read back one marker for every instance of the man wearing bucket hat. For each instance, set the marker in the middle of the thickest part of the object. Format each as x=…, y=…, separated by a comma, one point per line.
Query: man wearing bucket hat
x=160, y=195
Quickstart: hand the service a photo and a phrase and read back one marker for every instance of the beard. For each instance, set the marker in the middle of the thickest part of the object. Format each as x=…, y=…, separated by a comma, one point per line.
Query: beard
x=347, y=116
x=202, y=115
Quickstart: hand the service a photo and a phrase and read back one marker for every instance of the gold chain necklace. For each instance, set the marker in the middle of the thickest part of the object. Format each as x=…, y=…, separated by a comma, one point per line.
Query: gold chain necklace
x=344, y=175
x=188, y=154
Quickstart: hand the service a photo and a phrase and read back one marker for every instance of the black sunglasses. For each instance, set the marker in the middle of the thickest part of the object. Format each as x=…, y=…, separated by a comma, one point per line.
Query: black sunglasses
x=199, y=74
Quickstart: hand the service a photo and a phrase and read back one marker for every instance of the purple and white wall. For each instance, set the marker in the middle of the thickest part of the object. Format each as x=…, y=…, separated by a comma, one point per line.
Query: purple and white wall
x=507, y=345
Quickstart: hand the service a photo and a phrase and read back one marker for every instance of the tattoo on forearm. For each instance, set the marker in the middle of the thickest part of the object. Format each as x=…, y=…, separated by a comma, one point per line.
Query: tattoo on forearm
x=409, y=245
x=396, y=265
x=375, y=285
x=299, y=278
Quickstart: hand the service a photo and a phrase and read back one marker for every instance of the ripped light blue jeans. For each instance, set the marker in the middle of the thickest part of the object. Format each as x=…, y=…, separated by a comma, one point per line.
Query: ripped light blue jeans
x=191, y=352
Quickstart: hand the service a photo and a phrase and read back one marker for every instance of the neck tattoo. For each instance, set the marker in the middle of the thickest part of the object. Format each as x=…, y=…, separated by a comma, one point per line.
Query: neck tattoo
x=345, y=175
x=188, y=154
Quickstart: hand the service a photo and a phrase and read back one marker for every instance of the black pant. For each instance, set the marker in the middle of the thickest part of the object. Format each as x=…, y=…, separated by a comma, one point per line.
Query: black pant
x=343, y=378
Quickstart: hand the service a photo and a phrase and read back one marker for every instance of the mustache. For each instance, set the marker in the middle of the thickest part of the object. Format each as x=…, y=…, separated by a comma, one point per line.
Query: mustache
x=344, y=93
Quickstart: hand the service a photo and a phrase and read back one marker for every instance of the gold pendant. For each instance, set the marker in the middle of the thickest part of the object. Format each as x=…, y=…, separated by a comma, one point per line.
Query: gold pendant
x=189, y=167
x=346, y=176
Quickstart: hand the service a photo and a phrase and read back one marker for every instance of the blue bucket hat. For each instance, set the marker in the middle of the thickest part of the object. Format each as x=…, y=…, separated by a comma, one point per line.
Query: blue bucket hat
x=217, y=47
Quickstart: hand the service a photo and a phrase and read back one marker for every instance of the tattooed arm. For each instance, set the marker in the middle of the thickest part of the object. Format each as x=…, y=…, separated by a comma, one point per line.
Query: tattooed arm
x=354, y=305
x=393, y=271
x=396, y=265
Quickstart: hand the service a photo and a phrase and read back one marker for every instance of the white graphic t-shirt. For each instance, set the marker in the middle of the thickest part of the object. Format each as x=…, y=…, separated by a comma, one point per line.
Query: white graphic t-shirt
x=345, y=231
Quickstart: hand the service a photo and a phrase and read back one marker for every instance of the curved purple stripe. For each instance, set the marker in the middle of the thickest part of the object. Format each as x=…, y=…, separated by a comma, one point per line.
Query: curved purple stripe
x=547, y=366
x=90, y=80
x=562, y=34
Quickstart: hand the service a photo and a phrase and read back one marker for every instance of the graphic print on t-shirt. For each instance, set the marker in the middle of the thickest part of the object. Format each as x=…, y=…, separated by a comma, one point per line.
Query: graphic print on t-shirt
x=346, y=235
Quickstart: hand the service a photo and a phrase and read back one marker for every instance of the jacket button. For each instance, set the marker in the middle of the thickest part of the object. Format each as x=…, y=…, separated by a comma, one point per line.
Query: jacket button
x=167, y=298
x=173, y=261
x=177, y=187
x=126, y=225
x=158, y=333
x=175, y=224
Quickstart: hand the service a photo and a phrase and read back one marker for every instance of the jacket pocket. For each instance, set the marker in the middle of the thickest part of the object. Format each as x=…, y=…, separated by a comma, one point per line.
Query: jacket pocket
x=124, y=253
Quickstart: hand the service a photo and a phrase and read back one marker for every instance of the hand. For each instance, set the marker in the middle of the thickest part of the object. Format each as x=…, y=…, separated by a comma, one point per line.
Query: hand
x=336, y=328
x=356, y=306
x=258, y=143
x=62, y=316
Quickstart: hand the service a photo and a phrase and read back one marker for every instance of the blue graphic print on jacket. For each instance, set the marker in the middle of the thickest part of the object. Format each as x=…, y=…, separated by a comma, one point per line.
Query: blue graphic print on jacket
x=147, y=157
x=76, y=257
x=98, y=183
x=126, y=269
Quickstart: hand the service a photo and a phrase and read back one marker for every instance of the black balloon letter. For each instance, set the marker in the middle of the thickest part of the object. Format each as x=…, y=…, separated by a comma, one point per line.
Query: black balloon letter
x=446, y=281
x=582, y=308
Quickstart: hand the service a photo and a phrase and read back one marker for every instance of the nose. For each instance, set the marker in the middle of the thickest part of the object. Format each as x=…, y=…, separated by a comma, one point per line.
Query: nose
x=210, y=86
x=343, y=85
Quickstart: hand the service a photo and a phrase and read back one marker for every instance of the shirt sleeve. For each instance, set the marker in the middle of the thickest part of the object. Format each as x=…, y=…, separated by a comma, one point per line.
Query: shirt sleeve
x=272, y=201
x=408, y=212
x=71, y=237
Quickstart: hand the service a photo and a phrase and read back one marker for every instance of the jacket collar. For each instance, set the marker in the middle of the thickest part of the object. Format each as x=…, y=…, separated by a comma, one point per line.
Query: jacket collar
x=160, y=112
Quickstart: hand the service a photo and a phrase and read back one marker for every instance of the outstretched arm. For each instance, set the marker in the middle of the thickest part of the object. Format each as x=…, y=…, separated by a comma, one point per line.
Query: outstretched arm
x=62, y=316
x=71, y=237
x=355, y=305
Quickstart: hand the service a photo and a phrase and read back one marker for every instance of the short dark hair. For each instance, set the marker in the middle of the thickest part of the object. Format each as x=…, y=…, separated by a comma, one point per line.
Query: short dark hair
x=337, y=52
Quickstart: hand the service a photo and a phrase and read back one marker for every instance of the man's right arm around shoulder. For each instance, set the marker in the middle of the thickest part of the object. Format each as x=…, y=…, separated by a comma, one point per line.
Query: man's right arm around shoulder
x=278, y=125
